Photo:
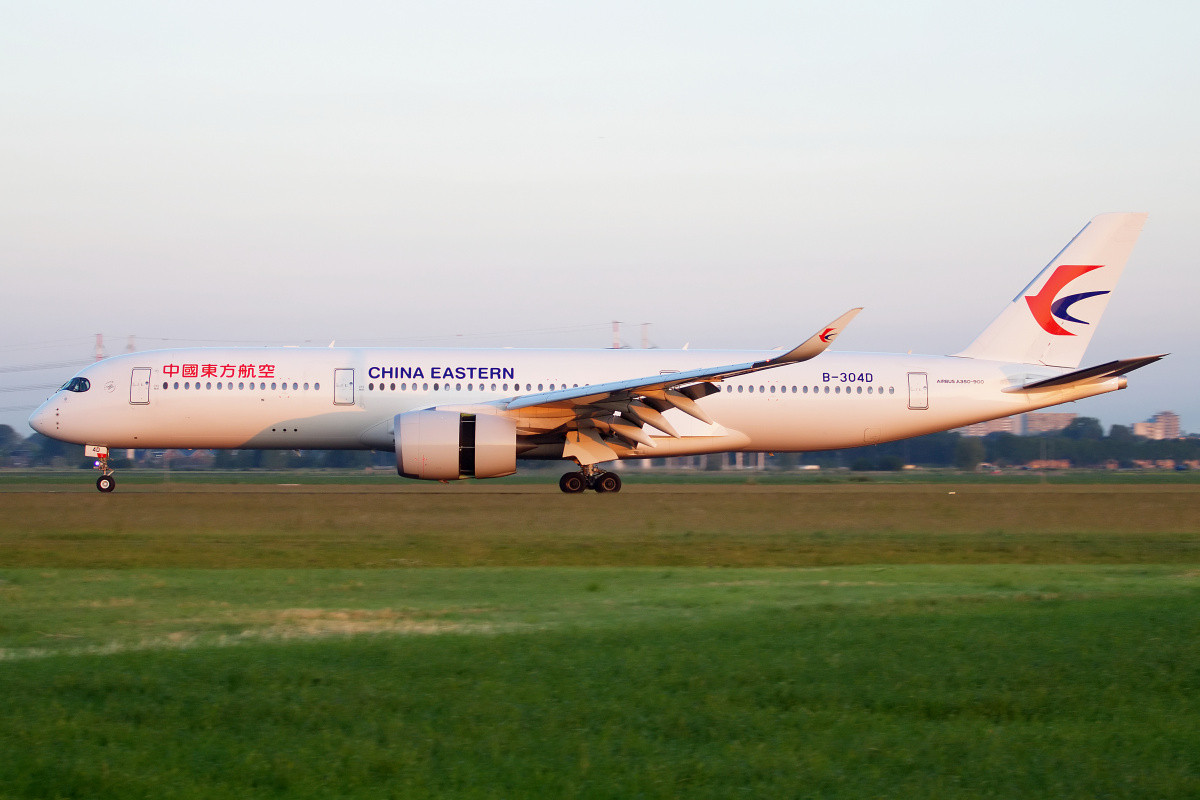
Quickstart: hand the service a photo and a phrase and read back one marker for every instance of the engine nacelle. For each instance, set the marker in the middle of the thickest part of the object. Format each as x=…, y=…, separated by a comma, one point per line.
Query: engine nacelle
x=447, y=445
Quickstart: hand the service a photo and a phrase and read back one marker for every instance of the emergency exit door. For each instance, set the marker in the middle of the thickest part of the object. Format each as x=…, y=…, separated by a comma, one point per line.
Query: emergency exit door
x=139, y=386
x=343, y=387
x=918, y=390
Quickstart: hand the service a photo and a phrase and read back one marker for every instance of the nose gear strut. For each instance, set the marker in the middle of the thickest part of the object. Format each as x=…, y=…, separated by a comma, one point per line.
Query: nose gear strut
x=106, y=482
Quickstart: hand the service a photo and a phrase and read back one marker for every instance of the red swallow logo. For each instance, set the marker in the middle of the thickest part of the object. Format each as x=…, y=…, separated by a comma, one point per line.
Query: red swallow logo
x=827, y=335
x=1046, y=305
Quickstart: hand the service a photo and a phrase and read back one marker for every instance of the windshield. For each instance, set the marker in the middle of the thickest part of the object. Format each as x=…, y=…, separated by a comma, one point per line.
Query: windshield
x=76, y=385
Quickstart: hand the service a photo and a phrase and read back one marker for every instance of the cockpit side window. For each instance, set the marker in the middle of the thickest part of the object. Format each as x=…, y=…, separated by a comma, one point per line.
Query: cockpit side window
x=77, y=385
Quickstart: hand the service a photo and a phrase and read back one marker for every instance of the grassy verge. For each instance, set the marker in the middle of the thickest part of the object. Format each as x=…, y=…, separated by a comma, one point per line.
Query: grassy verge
x=951, y=681
x=643, y=526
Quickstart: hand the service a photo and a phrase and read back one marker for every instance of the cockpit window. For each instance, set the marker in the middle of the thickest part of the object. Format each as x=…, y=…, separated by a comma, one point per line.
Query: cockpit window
x=77, y=385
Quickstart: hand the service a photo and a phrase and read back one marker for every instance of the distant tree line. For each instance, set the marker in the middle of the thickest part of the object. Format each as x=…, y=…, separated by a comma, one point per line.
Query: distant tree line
x=1083, y=443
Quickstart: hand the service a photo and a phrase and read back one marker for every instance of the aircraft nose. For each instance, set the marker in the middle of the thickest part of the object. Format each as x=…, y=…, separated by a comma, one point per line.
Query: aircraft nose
x=42, y=420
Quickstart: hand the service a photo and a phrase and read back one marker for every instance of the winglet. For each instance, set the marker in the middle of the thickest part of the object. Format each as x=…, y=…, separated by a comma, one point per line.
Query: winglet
x=819, y=341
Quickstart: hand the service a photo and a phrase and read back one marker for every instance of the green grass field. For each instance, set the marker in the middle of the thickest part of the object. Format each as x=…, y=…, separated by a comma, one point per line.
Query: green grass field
x=711, y=641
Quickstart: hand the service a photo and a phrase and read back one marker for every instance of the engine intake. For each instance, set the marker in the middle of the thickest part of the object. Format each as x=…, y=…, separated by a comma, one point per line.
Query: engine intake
x=448, y=445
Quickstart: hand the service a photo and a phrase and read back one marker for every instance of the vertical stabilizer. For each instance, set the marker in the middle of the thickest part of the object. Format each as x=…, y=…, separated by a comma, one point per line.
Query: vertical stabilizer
x=1052, y=320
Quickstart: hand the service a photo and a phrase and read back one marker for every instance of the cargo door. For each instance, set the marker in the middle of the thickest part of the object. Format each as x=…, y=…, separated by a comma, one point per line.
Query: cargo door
x=343, y=387
x=139, y=386
x=918, y=390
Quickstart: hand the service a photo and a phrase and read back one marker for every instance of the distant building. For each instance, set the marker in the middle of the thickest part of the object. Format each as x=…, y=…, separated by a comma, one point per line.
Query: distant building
x=1003, y=425
x=1050, y=463
x=1046, y=422
x=1163, y=425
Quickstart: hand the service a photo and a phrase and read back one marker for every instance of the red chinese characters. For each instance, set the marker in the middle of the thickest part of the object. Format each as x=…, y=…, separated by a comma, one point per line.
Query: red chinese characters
x=225, y=370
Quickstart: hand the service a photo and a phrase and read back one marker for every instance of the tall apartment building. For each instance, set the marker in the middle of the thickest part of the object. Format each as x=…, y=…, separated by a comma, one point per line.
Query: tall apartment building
x=1039, y=422
x=1003, y=425
x=1163, y=425
x=1029, y=424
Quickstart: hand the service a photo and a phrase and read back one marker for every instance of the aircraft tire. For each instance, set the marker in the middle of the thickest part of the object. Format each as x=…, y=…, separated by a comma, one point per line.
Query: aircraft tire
x=608, y=482
x=572, y=483
x=106, y=483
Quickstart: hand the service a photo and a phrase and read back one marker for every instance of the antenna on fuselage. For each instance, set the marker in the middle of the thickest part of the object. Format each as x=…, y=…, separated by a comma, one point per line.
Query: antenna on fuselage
x=99, y=346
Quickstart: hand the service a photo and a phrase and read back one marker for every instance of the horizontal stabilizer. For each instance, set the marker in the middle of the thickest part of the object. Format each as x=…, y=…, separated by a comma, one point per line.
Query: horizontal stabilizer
x=1109, y=370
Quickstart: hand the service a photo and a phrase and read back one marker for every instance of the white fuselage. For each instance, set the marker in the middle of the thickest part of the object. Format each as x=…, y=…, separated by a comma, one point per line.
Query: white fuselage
x=206, y=398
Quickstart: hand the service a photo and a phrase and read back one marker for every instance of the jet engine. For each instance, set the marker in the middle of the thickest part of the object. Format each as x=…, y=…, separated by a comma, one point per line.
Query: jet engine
x=448, y=445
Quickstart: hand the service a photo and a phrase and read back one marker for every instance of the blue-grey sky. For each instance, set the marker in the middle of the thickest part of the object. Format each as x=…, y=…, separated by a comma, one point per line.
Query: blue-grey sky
x=736, y=174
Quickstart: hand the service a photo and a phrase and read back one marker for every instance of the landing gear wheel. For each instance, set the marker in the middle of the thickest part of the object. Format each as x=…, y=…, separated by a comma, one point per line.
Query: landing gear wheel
x=106, y=483
x=607, y=482
x=572, y=483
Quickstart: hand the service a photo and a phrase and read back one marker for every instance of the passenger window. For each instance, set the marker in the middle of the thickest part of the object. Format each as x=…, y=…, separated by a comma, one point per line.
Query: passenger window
x=806, y=390
x=729, y=388
x=539, y=387
x=891, y=390
x=306, y=387
x=493, y=387
x=393, y=387
x=870, y=389
x=176, y=384
x=470, y=387
x=826, y=390
x=772, y=389
x=241, y=385
x=552, y=387
x=317, y=387
x=529, y=387
x=458, y=387
x=218, y=385
x=837, y=390
x=370, y=387
x=859, y=390
x=740, y=387
x=187, y=384
x=164, y=384
x=263, y=387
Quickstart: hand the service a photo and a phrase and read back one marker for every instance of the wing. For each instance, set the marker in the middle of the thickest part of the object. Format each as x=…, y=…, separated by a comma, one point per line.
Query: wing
x=587, y=395
x=589, y=414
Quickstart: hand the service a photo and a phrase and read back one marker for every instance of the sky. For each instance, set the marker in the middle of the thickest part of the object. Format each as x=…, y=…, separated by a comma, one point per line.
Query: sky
x=520, y=174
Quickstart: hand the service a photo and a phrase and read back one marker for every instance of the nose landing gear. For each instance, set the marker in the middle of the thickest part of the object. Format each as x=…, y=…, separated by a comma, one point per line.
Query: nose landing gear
x=589, y=478
x=106, y=482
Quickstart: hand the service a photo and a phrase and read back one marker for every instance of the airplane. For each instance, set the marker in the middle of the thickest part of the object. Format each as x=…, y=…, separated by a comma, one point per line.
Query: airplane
x=450, y=414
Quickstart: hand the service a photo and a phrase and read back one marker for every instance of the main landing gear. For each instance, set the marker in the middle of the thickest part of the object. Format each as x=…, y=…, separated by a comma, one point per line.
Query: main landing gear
x=106, y=482
x=589, y=478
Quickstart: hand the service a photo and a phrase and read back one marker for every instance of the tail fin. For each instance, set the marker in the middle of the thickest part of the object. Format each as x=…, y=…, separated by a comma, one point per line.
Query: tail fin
x=1052, y=320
